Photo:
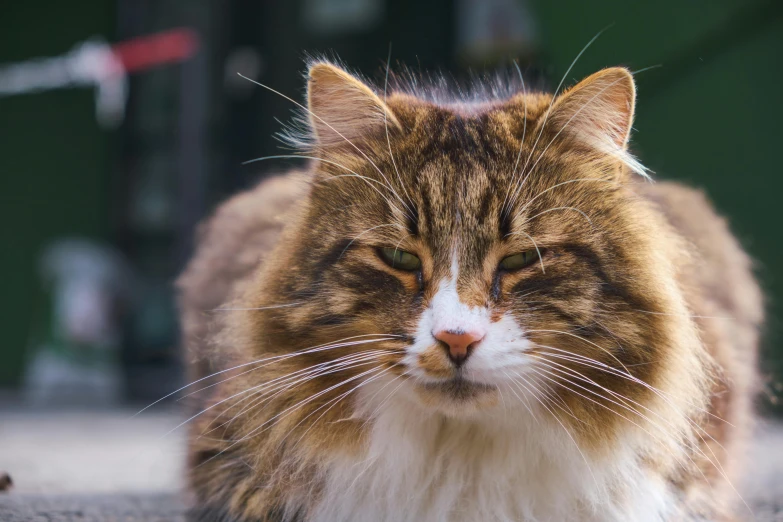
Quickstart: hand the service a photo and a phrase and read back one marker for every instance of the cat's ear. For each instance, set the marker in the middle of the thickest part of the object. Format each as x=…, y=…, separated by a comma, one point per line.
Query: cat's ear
x=598, y=110
x=343, y=110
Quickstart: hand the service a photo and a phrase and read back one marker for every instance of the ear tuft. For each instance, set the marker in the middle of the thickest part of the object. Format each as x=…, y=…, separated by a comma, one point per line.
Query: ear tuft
x=342, y=108
x=599, y=111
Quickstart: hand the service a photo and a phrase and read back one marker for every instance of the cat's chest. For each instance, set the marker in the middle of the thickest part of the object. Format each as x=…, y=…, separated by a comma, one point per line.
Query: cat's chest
x=423, y=469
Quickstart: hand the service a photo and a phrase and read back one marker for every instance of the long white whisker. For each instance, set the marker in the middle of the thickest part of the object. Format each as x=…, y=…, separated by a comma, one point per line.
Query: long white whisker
x=306, y=401
x=366, y=179
x=558, y=208
x=386, y=127
x=715, y=463
x=699, y=431
x=690, y=422
x=553, y=187
x=295, y=406
x=595, y=96
x=360, y=151
x=270, y=307
x=212, y=406
x=626, y=375
x=388, y=397
x=610, y=354
x=560, y=373
x=368, y=231
x=289, y=380
x=524, y=402
x=521, y=142
x=305, y=350
x=328, y=368
x=549, y=110
x=333, y=403
x=268, y=361
x=554, y=416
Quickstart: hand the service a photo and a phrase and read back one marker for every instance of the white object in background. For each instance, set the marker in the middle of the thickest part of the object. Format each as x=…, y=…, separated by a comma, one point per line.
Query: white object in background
x=88, y=64
x=75, y=358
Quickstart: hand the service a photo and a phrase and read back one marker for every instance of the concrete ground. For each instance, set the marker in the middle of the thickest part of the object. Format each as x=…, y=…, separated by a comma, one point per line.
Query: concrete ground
x=92, y=466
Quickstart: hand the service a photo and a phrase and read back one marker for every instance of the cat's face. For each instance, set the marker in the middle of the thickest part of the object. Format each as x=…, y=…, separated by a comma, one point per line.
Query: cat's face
x=474, y=253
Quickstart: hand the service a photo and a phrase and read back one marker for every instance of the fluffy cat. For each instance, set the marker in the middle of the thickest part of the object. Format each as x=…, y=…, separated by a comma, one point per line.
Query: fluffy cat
x=468, y=310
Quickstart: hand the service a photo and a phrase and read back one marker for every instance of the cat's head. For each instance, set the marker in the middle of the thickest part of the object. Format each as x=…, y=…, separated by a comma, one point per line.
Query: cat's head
x=475, y=251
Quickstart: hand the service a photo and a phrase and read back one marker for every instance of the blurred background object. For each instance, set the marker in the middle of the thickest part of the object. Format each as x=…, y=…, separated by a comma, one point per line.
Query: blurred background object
x=129, y=123
x=75, y=342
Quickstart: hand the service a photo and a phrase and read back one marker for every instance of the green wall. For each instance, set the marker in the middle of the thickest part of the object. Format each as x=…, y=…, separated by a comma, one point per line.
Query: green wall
x=54, y=170
x=710, y=115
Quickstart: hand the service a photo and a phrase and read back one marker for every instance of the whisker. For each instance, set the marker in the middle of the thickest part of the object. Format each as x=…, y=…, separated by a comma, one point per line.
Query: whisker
x=270, y=307
x=690, y=422
x=595, y=96
x=521, y=142
x=561, y=373
x=333, y=403
x=558, y=208
x=386, y=128
x=556, y=401
x=367, y=231
x=561, y=384
x=321, y=370
x=715, y=463
x=388, y=397
x=610, y=354
x=549, y=110
x=306, y=401
x=700, y=432
x=305, y=350
x=628, y=376
x=360, y=151
x=554, y=416
x=267, y=360
x=366, y=179
x=524, y=402
x=297, y=405
x=577, y=180
x=287, y=386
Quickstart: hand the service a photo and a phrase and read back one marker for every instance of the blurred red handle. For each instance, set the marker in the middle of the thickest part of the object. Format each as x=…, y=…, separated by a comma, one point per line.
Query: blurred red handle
x=148, y=51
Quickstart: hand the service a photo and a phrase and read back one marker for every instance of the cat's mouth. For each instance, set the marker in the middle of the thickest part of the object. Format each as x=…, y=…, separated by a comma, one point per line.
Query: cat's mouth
x=458, y=396
x=459, y=388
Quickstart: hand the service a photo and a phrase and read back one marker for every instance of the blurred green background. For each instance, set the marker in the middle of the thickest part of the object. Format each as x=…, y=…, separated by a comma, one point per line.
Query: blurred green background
x=708, y=116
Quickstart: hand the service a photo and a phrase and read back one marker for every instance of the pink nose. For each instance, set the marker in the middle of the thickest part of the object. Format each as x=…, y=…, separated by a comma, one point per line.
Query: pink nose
x=459, y=342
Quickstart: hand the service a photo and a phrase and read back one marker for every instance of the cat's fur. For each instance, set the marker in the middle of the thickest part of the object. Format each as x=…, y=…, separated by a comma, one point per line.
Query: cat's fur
x=615, y=379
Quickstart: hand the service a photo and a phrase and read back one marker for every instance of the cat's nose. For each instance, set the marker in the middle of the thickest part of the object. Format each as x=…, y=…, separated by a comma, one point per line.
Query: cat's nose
x=459, y=344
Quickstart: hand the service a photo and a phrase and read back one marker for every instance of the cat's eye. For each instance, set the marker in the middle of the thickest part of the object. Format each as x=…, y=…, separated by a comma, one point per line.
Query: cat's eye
x=519, y=261
x=400, y=259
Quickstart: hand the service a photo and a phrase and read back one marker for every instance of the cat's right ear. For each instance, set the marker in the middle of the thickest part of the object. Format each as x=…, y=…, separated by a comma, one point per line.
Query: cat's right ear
x=343, y=110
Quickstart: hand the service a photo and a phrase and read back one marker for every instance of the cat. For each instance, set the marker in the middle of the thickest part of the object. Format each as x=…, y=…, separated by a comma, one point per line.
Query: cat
x=467, y=310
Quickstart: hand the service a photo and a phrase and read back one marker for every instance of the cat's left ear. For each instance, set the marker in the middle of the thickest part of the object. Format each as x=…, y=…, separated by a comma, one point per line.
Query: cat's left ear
x=343, y=109
x=598, y=110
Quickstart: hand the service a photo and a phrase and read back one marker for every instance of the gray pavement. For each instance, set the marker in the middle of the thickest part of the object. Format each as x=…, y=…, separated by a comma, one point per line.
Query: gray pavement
x=152, y=507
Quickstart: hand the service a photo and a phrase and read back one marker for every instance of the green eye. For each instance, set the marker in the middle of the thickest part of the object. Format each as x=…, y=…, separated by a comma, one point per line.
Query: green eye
x=400, y=259
x=518, y=261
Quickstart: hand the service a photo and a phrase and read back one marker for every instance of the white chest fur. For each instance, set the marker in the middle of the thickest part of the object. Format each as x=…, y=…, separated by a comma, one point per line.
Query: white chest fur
x=502, y=467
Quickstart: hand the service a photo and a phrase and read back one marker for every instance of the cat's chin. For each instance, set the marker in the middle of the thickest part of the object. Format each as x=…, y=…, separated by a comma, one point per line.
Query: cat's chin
x=458, y=397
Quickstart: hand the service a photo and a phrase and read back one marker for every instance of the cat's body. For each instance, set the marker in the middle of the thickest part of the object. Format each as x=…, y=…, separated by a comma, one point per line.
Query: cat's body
x=647, y=311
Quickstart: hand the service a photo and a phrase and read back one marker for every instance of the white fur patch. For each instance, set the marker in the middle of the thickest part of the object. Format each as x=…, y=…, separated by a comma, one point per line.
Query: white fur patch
x=505, y=466
x=502, y=347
